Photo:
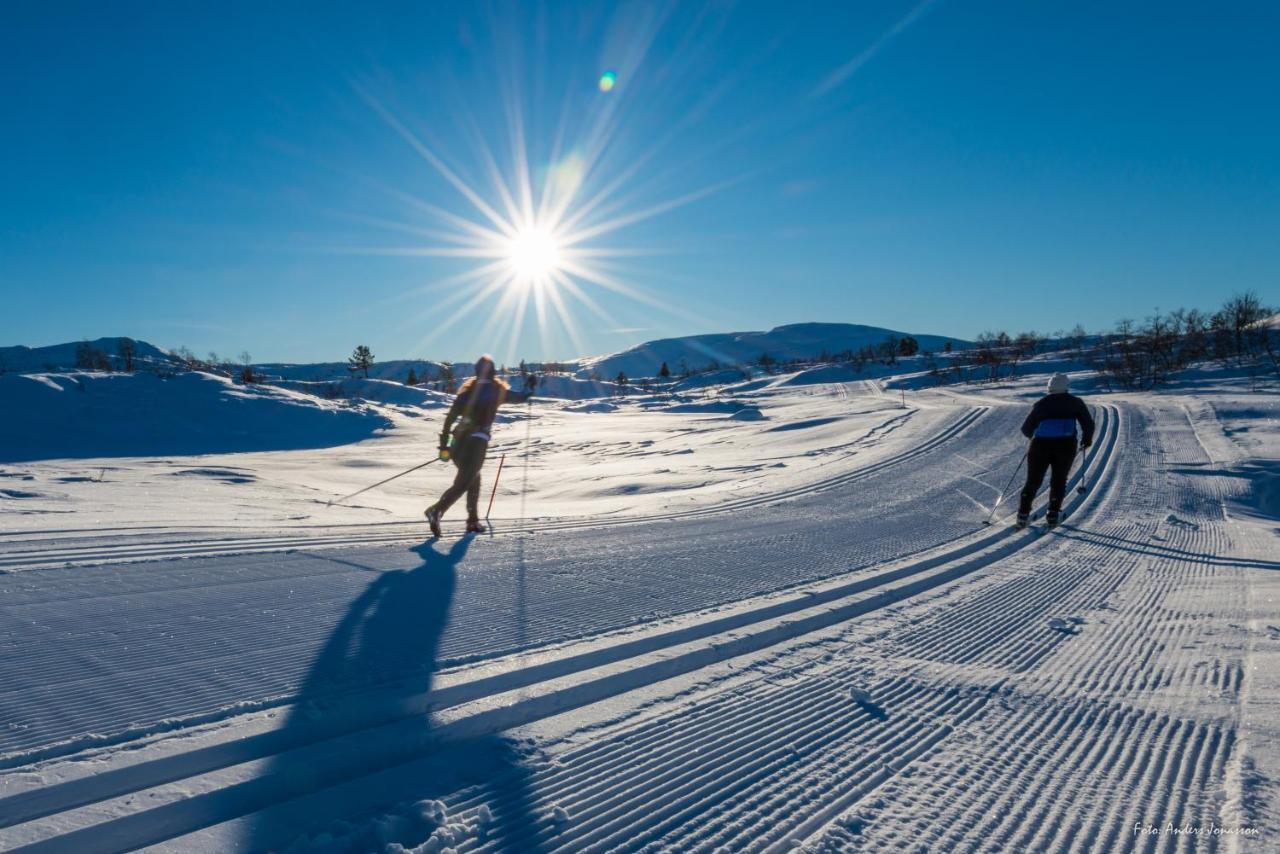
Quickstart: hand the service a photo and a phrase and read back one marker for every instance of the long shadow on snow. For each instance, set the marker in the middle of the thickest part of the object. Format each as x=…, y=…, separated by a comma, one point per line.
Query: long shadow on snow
x=1140, y=547
x=392, y=632
x=333, y=734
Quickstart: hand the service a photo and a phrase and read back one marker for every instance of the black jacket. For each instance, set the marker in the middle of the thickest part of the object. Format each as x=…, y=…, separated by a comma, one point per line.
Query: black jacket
x=1055, y=417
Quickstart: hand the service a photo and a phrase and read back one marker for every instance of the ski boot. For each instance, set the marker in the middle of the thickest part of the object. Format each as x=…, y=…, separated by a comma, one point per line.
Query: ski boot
x=474, y=526
x=1021, y=521
x=433, y=519
x=1052, y=518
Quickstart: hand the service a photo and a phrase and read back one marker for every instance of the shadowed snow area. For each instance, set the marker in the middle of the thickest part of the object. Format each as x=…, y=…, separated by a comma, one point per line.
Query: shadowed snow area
x=70, y=416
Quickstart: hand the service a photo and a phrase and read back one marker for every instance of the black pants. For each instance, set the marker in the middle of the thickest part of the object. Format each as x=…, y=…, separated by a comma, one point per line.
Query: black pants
x=468, y=456
x=1045, y=454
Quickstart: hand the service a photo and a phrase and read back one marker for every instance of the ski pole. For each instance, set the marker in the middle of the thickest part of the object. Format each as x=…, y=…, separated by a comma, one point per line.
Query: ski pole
x=379, y=483
x=994, y=507
x=496, y=477
x=1083, y=486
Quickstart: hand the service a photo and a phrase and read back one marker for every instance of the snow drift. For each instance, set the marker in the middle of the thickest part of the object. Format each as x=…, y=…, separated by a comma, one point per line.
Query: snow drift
x=385, y=392
x=53, y=416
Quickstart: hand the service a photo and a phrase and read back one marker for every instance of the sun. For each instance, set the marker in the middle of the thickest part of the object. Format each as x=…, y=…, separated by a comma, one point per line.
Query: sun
x=534, y=254
x=535, y=236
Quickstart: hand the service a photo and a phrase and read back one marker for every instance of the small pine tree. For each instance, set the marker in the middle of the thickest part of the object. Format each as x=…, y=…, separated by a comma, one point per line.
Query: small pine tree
x=361, y=359
x=664, y=371
x=621, y=381
x=412, y=379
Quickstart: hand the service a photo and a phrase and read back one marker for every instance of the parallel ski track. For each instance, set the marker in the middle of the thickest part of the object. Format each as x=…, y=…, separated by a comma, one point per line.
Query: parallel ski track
x=765, y=767
x=411, y=532
x=810, y=717
x=266, y=673
x=266, y=619
x=1092, y=741
x=770, y=766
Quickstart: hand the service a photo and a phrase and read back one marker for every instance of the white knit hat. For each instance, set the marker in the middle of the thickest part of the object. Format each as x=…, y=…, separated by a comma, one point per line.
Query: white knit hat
x=1058, y=383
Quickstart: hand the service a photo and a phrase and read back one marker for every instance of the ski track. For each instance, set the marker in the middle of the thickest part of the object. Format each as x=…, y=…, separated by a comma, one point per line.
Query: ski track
x=124, y=657
x=25, y=553
x=1069, y=742
x=987, y=730
x=78, y=841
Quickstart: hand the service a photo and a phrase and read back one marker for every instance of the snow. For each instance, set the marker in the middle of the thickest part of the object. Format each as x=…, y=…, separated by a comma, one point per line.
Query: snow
x=96, y=415
x=236, y=459
x=756, y=614
x=62, y=357
x=801, y=340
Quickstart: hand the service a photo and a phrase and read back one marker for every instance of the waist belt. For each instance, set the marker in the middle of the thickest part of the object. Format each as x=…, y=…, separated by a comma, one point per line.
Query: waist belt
x=479, y=435
x=1056, y=428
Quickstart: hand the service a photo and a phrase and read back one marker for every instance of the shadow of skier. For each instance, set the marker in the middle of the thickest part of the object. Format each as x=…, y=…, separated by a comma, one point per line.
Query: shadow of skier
x=376, y=668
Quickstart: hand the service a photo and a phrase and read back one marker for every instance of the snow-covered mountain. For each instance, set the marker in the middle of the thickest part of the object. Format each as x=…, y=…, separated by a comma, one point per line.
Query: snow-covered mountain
x=796, y=341
x=62, y=357
x=801, y=340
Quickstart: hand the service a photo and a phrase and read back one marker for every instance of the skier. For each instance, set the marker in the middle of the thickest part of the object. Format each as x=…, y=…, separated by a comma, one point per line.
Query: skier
x=468, y=424
x=1051, y=427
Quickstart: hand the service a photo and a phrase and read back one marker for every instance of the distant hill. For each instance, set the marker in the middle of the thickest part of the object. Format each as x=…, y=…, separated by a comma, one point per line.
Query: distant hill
x=393, y=369
x=62, y=357
x=797, y=341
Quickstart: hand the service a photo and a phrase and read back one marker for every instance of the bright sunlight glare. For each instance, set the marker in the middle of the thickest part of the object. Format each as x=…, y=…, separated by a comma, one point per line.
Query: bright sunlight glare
x=536, y=230
x=534, y=254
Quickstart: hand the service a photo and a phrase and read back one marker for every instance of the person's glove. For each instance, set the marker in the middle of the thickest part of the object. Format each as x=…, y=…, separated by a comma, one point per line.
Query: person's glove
x=444, y=446
x=1086, y=443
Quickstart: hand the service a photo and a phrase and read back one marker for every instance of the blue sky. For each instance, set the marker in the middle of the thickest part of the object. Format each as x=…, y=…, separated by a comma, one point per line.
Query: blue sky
x=229, y=178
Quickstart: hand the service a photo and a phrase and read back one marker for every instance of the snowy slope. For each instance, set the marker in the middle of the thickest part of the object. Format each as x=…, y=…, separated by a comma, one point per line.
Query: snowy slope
x=802, y=340
x=396, y=370
x=387, y=392
x=109, y=415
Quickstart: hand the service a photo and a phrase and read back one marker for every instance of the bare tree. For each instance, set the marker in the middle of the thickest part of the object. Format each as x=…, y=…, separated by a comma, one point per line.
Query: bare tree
x=84, y=356
x=128, y=350
x=448, y=379
x=247, y=376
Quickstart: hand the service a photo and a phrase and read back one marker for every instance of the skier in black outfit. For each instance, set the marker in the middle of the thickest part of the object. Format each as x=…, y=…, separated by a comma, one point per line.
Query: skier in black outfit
x=1051, y=427
x=469, y=424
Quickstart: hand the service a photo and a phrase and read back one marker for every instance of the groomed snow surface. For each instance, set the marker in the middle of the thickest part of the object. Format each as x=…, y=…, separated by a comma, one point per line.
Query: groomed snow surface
x=748, y=617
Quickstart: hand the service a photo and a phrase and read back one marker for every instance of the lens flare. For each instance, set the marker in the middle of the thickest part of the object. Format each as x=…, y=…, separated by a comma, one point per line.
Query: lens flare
x=531, y=234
